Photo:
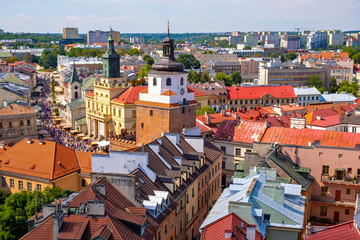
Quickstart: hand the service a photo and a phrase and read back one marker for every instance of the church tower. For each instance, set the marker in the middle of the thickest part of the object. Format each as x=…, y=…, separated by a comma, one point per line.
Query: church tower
x=167, y=105
x=74, y=86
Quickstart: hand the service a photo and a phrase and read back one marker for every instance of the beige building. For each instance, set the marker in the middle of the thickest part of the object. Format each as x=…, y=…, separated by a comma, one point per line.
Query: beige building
x=341, y=74
x=8, y=97
x=17, y=122
x=70, y=33
x=249, y=69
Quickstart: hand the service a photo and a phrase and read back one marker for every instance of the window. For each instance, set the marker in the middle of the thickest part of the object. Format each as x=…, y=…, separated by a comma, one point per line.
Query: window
x=22, y=132
x=349, y=170
x=266, y=217
x=151, y=112
x=347, y=211
x=325, y=170
x=320, y=154
x=324, y=191
x=10, y=134
x=142, y=125
x=29, y=186
x=154, y=81
x=3, y=182
x=159, y=235
x=1, y=125
x=21, y=122
x=83, y=182
x=21, y=185
x=193, y=192
x=323, y=210
x=223, y=148
x=340, y=155
x=181, y=204
x=181, y=81
x=10, y=123
x=168, y=82
x=348, y=191
x=181, y=225
x=38, y=187
x=12, y=183
x=187, y=198
x=192, y=211
x=119, y=113
x=198, y=186
x=237, y=151
x=183, y=110
x=171, y=222
x=166, y=229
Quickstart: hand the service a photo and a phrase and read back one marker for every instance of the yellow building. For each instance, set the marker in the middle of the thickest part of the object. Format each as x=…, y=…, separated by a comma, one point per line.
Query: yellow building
x=45, y=164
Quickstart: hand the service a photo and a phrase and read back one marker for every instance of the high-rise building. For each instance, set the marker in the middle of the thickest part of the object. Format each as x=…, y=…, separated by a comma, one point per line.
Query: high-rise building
x=290, y=42
x=168, y=105
x=316, y=39
x=99, y=36
x=70, y=33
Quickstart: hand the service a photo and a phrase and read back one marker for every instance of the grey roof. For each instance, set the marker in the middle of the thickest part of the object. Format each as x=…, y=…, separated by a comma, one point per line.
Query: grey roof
x=306, y=91
x=336, y=97
x=291, y=169
x=88, y=82
x=227, y=63
x=75, y=103
x=250, y=190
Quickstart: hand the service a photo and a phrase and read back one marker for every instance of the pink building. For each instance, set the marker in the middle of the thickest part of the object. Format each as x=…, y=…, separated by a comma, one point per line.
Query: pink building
x=334, y=160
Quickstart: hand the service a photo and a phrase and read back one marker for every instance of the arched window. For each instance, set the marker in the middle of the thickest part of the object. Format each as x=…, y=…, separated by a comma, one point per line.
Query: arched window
x=76, y=94
x=154, y=81
x=181, y=81
x=142, y=125
x=115, y=82
x=151, y=112
x=168, y=82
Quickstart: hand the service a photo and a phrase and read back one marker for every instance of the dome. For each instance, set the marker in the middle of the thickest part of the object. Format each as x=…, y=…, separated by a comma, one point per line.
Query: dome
x=168, y=62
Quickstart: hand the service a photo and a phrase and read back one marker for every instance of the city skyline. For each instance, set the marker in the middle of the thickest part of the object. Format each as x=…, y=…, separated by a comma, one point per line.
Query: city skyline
x=209, y=16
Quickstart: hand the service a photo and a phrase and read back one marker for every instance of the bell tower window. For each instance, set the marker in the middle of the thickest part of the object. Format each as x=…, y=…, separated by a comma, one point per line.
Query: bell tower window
x=168, y=82
x=181, y=81
x=76, y=95
x=154, y=81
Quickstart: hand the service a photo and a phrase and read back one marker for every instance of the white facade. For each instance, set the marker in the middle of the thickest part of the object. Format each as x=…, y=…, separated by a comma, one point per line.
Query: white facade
x=306, y=95
x=159, y=83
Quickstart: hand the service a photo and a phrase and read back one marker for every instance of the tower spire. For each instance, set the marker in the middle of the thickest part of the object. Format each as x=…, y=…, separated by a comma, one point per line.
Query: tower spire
x=168, y=28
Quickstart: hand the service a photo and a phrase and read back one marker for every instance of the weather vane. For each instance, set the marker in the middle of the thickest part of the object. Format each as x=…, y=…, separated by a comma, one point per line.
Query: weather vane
x=111, y=31
x=168, y=28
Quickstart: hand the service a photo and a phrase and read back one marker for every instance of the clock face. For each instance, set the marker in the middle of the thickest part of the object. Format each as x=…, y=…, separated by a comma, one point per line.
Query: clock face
x=182, y=91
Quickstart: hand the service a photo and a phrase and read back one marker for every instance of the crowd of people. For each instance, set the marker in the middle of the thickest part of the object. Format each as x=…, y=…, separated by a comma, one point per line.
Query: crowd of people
x=60, y=135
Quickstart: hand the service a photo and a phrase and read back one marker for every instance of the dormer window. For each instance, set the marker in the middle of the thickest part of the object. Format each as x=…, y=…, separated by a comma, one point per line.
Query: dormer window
x=168, y=82
x=154, y=81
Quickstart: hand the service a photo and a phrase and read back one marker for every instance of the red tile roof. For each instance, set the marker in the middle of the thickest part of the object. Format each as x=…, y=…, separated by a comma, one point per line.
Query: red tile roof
x=216, y=118
x=257, y=92
x=49, y=160
x=302, y=137
x=343, y=231
x=230, y=223
x=197, y=93
x=245, y=132
x=129, y=96
x=90, y=93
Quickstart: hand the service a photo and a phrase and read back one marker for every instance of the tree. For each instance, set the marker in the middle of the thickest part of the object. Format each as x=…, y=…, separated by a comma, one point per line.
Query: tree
x=205, y=109
x=27, y=56
x=3, y=195
x=256, y=55
x=333, y=85
x=346, y=86
x=11, y=60
x=134, y=51
x=225, y=78
x=291, y=56
x=236, y=77
x=149, y=60
x=356, y=58
x=316, y=82
x=143, y=71
x=205, y=77
x=121, y=52
x=189, y=61
x=208, y=52
x=247, y=48
x=194, y=77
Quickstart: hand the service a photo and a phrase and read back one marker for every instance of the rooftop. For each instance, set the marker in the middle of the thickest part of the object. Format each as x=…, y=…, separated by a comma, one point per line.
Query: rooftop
x=15, y=109
x=256, y=92
x=129, y=96
x=344, y=231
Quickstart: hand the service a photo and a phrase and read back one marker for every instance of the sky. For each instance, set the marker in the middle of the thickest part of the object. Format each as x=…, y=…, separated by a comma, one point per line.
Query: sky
x=144, y=16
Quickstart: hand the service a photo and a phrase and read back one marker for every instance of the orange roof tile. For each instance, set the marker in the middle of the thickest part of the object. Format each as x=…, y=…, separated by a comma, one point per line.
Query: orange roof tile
x=197, y=93
x=302, y=137
x=216, y=118
x=90, y=94
x=51, y=159
x=129, y=96
x=256, y=92
x=168, y=93
x=16, y=109
x=85, y=161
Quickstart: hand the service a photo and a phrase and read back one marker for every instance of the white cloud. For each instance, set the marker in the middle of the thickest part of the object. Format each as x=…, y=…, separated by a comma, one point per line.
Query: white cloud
x=25, y=16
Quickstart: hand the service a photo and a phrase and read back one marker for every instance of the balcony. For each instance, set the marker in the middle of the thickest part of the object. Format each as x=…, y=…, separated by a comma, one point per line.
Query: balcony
x=346, y=202
x=340, y=179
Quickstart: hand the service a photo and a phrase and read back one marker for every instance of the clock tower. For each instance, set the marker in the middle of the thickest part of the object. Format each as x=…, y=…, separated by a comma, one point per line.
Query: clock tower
x=167, y=105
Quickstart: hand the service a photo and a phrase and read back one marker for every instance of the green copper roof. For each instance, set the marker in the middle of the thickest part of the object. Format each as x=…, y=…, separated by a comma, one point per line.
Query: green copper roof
x=11, y=78
x=90, y=81
x=75, y=77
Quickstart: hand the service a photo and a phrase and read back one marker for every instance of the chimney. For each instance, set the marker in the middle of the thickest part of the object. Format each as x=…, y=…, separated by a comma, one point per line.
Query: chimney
x=29, y=141
x=308, y=229
x=318, y=117
x=250, y=232
x=100, y=188
x=207, y=118
x=223, y=112
x=96, y=208
x=57, y=223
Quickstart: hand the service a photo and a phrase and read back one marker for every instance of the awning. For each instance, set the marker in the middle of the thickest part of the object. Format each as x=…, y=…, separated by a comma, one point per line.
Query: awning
x=94, y=143
x=86, y=138
x=340, y=169
x=58, y=119
x=63, y=125
x=81, y=135
x=66, y=126
x=74, y=131
x=104, y=143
